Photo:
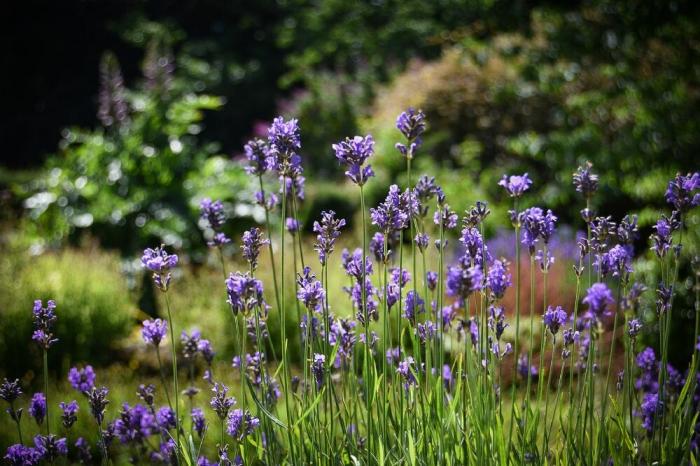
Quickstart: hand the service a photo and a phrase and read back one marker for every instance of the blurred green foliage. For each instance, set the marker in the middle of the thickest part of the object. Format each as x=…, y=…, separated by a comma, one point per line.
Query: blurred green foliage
x=137, y=178
x=596, y=84
x=93, y=303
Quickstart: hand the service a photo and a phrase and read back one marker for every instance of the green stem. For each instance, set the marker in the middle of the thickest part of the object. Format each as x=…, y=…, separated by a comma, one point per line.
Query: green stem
x=46, y=389
x=516, y=347
x=174, y=356
x=162, y=377
x=367, y=381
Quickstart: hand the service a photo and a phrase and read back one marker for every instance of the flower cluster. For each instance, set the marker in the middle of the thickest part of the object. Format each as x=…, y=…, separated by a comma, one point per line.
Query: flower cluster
x=159, y=262
x=253, y=240
x=353, y=153
x=411, y=123
x=515, y=185
x=327, y=231
x=82, y=380
x=310, y=291
x=245, y=293
x=44, y=317
x=585, y=181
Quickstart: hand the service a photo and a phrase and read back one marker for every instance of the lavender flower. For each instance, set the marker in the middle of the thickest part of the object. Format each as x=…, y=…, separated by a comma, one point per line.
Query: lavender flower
x=496, y=321
x=37, y=407
x=536, y=224
x=425, y=190
x=165, y=417
x=650, y=409
x=376, y=247
x=352, y=263
x=212, y=213
x=244, y=293
x=498, y=278
x=426, y=331
x=570, y=336
x=393, y=355
x=603, y=231
x=83, y=449
x=554, y=319
x=431, y=279
x=368, y=311
x=160, y=263
x=662, y=238
x=50, y=447
x=293, y=184
x=681, y=192
x=220, y=403
x=317, y=368
x=496, y=350
x=199, y=422
x=474, y=244
x=284, y=143
x=256, y=152
x=461, y=281
x=97, y=398
x=154, y=331
x=515, y=185
x=20, y=455
x=10, y=390
x=446, y=216
x=253, y=240
x=205, y=349
x=218, y=240
x=422, y=241
x=292, y=225
x=585, y=181
x=411, y=123
x=526, y=370
x=190, y=343
x=240, y=424
x=598, y=298
x=405, y=370
x=113, y=110
x=663, y=298
x=327, y=231
x=389, y=216
x=44, y=318
x=475, y=215
x=649, y=366
x=617, y=261
x=266, y=202
x=69, y=415
x=413, y=305
x=135, y=424
x=147, y=393
x=545, y=259
x=310, y=291
x=633, y=328
x=342, y=333
x=353, y=153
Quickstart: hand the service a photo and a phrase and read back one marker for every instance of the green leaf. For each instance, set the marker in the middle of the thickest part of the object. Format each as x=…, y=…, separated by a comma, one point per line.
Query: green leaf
x=267, y=413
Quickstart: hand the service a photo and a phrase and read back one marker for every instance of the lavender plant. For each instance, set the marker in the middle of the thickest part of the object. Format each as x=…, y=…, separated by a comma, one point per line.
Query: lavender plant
x=418, y=365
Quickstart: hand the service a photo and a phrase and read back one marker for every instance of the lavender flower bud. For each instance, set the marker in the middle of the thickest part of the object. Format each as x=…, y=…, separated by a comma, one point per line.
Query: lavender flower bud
x=327, y=232
x=515, y=185
x=353, y=153
x=154, y=331
x=253, y=240
x=585, y=181
x=69, y=415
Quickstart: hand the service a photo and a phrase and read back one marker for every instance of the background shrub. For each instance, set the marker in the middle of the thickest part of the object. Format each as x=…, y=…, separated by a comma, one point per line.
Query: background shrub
x=92, y=303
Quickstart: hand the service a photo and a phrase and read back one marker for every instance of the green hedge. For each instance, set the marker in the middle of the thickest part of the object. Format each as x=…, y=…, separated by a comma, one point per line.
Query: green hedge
x=93, y=306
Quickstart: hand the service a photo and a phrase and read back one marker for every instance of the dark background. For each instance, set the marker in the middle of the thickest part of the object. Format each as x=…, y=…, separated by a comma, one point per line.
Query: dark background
x=51, y=52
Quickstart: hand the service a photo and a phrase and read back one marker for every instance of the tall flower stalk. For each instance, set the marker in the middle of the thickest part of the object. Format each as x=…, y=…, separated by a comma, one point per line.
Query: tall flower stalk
x=161, y=263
